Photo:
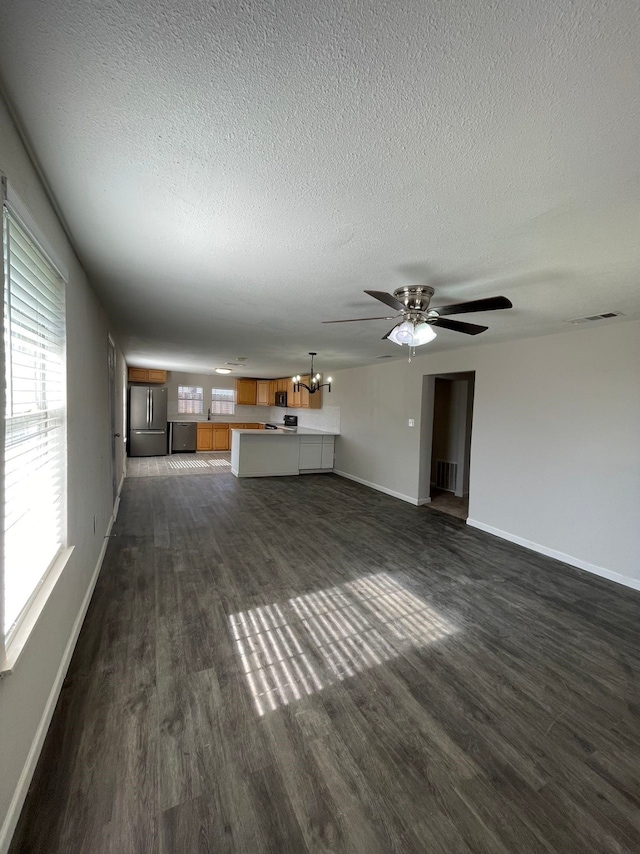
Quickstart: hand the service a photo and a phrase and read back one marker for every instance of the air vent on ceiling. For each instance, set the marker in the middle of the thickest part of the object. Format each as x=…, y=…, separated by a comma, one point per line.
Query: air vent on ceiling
x=605, y=316
x=234, y=364
x=386, y=356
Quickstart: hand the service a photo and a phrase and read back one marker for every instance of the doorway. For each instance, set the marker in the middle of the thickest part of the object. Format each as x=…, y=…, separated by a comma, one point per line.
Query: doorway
x=446, y=442
x=112, y=415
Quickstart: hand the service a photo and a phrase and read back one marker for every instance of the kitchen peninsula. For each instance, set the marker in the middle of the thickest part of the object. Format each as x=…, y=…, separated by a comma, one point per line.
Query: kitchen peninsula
x=285, y=451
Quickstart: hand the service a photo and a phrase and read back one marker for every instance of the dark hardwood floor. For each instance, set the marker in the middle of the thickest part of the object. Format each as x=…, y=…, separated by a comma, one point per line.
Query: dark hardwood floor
x=304, y=665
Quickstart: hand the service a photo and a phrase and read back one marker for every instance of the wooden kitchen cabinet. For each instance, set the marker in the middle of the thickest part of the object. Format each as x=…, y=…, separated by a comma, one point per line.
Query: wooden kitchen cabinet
x=302, y=399
x=138, y=375
x=246, y=392
x=262, y=392
x=273, y=388
x=310, y=401
x=221, y=437
x=293, y=397
x=282, y=384
x=204, y=440
x=147, y=375
x=213, y=436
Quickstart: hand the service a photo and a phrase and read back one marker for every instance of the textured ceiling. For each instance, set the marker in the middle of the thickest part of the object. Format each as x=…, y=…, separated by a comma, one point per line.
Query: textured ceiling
x=232, y=173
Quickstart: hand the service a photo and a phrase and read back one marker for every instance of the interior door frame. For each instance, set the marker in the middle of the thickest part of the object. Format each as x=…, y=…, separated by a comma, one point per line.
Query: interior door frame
x=426, y=435
x=111, y=358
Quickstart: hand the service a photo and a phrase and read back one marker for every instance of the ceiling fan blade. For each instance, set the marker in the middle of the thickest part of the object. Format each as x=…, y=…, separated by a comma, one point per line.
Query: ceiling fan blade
x=459, y=326
x=356, y=319
x=488, y=304
x=388, y=299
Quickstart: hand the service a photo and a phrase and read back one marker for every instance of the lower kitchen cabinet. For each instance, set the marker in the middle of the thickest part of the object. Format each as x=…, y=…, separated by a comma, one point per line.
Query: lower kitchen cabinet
x=213, y=437
x=216, y=436
x=221, y=437
x=204, y=441
x=316, y=453
x=327, y=452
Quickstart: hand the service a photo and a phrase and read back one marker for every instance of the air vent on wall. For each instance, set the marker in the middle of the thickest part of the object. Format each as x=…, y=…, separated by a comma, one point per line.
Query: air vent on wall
x=446, y=475
x=605, y=316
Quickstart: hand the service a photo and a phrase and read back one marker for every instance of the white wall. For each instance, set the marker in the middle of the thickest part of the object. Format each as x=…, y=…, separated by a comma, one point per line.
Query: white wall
x=27, y=696
x=555, y=453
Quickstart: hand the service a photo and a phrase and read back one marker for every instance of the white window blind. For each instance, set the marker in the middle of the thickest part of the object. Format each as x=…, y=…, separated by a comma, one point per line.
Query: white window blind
x=35, y=476
x=223, y=401
x=190, y=400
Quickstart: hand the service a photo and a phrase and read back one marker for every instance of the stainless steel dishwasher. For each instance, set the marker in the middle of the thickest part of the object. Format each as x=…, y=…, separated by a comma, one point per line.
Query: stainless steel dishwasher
x=184, y=435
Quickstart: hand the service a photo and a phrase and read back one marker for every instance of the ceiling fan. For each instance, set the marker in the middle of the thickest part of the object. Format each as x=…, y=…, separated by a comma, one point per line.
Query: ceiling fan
x=416, y=326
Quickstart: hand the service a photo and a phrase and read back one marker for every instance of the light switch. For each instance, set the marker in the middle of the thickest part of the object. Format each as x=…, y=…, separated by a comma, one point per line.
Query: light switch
x=412, y=423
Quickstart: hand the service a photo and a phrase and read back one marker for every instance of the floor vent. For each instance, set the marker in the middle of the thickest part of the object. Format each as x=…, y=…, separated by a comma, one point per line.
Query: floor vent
x=592, y=317
x=446, y=475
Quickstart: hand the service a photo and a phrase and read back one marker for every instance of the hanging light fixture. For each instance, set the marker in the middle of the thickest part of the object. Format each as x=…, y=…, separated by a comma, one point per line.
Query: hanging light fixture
x=414, y=333
x=315, y=380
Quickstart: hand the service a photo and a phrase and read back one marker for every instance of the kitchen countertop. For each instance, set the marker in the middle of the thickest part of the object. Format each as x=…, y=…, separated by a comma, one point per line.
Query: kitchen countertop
x=219, y=420
x=280, y=431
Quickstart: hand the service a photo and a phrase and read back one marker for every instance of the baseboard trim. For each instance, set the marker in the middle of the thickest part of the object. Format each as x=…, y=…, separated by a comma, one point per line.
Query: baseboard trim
x=378, y=488
x=17, y=801
x=422, y=501
x=617, y=577
x=265, y=474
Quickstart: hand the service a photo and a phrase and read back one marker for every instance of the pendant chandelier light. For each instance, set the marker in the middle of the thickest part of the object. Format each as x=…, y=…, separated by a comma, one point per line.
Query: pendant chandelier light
x=315, y=380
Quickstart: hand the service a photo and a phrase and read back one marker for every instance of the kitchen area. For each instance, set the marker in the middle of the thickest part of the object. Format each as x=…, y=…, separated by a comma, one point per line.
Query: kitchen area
x=262, y=427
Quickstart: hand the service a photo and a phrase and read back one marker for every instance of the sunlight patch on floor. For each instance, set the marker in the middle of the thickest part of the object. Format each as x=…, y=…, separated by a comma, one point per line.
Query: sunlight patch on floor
x=328, y=636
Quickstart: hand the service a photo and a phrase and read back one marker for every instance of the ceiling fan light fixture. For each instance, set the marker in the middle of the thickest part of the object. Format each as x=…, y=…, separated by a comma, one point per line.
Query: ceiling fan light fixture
x=412, y=333
x=423, y=333
x=402, y=333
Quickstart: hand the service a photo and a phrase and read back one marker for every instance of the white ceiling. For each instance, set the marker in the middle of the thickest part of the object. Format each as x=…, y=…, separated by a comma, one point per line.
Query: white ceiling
x=232, y=173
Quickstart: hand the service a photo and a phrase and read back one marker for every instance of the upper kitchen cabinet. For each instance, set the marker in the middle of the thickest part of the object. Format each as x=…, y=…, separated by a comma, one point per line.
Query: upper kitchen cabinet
x=309, y=401
x=147, y=375
x=246, y=392
x=262, y=392
x=293, y=396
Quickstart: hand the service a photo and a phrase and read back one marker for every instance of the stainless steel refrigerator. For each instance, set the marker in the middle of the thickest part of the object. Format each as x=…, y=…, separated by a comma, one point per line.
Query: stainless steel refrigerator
x=147, y=421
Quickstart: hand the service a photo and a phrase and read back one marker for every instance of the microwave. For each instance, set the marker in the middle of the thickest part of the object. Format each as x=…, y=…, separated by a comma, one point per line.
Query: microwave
x=281, y=398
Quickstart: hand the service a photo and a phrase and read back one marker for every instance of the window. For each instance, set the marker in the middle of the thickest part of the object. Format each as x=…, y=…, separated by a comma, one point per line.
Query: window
x=35, y=476
x=190, y=400
x=223, y=401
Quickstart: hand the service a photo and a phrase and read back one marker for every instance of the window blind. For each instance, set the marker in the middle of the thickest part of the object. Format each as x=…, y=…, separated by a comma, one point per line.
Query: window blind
x=223, y=401
x=190, y=400
x=35, y=476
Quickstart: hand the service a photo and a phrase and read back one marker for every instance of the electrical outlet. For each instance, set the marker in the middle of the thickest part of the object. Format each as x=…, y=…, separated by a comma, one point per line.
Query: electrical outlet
x=412, y=422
